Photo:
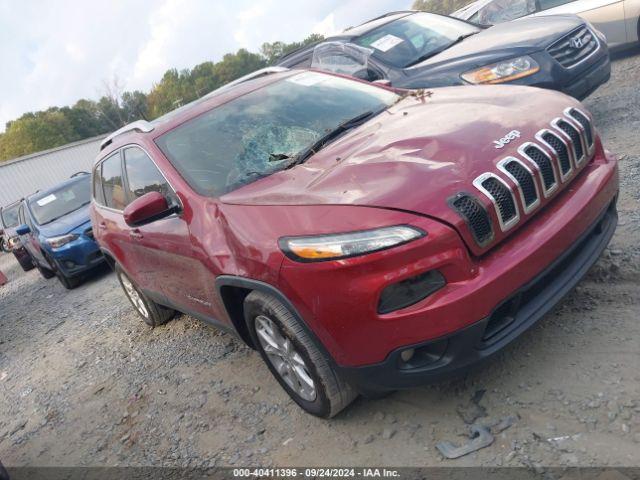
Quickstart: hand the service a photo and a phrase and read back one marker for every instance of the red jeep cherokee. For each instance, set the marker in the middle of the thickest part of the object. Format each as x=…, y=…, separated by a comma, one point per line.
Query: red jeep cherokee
x=361, y=239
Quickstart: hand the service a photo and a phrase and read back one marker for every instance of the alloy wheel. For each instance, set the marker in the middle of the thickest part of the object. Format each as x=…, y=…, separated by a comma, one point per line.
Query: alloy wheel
x=134, y=296
x=286, y=360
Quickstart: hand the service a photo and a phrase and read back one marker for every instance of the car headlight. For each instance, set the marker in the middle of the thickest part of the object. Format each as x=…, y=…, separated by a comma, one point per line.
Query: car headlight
x=502, y=72
x=344, y=245
x=57, y=242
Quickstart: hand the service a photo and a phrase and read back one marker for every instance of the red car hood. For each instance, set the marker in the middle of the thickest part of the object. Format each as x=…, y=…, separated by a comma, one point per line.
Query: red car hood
x=416, y=155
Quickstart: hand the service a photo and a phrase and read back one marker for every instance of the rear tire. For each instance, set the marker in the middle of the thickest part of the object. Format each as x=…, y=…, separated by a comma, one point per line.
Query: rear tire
x=152, y=313
x=25, y=261
x=293, y=358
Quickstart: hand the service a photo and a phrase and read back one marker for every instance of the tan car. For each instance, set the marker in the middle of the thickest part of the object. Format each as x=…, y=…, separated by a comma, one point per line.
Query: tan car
x=619, y=20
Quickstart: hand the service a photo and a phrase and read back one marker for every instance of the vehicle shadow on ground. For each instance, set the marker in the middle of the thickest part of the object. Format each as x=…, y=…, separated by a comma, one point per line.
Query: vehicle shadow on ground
x=97, y=274
x=623, y=53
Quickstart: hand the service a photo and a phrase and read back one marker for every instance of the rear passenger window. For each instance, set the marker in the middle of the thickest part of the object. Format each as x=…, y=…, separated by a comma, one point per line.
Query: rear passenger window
x=111, y=180
x=142, y=175
x=98, y=195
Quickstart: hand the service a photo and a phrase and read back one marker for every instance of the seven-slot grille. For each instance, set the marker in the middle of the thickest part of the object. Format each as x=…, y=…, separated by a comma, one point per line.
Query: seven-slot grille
x=551, y=148
x=523, y=177
x=561, y=151
x=574, y=48
x=585, y=122
x=476, y=217
x=574, y=134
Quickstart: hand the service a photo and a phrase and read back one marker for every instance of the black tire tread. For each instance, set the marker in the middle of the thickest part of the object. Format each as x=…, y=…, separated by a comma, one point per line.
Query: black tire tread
x=45, y=272
x=158, y=315
x=338, y=393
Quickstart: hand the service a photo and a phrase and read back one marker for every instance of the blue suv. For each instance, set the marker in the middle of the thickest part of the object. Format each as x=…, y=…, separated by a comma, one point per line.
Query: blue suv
x=58, y=233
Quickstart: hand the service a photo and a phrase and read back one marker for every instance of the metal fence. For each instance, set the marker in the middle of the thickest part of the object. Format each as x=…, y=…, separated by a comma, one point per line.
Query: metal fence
x=25, y=175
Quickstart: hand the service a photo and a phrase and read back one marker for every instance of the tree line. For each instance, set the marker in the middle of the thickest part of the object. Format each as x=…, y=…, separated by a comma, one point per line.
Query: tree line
x=37, y=131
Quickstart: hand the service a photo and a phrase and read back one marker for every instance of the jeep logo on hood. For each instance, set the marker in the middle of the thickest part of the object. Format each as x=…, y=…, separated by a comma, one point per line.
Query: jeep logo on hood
x=508, y=138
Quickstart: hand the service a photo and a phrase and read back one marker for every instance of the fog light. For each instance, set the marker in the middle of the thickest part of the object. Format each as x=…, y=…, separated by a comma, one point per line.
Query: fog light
x=407, y=355
x=69, y=264
x=410, y=291
x=423, y=357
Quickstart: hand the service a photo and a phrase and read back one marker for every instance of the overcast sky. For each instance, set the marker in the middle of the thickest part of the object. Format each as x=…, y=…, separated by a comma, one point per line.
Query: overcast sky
x=54, y=52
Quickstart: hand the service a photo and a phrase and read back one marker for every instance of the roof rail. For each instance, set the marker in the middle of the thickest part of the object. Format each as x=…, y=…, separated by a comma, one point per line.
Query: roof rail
x=138, y=126
x=77, y=174
x=257, y=74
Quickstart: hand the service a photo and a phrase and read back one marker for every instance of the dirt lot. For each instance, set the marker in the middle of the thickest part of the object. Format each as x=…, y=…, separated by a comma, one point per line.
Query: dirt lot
x=84, y=382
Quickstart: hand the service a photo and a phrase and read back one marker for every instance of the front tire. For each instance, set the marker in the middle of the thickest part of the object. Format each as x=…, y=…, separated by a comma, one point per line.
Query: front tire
x=300, y=367
x=152, y=313
x=67, y=282
x=45, y=272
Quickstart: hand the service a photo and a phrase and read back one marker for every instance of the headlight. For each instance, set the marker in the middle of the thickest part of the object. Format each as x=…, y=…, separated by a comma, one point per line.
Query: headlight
x=503, y=71
x=343, y=245
x=57, y=242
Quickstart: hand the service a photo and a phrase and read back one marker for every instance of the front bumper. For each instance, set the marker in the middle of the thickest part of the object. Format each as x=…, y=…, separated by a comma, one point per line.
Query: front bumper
x=455, y=353
x=586, y=83
x=77, y=257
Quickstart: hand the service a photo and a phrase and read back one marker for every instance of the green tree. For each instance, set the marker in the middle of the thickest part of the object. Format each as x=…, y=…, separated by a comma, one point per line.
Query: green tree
x=37, y=131
x=273, y=51
x=178, y=88
x=444, y=7
x=235, y=65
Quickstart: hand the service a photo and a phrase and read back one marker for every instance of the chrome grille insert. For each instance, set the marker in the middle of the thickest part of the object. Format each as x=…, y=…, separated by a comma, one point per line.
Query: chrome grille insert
x=543, y=164
x=504, y=202
x=575, y=48
x=573, y=133
x=586, y=123
x=560, y=149
x=523, y=177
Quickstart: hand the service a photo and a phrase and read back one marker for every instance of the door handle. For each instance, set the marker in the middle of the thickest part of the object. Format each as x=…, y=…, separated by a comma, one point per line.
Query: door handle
x=102, y=226
x=135, y=234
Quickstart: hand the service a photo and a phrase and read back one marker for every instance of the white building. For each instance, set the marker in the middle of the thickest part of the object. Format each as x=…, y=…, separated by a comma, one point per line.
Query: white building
x=25, y=175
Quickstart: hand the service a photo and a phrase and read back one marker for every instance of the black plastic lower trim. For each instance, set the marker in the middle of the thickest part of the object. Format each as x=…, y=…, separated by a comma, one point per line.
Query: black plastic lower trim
x=459, y=351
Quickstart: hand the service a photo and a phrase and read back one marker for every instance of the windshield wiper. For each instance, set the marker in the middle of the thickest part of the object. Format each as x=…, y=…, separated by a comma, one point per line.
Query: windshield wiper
x=427, y=56
x=325, y=139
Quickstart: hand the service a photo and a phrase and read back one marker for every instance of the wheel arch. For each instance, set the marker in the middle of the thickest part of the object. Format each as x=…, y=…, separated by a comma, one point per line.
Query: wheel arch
x=233, y=290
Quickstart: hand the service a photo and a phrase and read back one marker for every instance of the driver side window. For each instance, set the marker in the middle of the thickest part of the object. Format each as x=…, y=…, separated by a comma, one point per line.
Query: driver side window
x=143, y=176
x=346, y=65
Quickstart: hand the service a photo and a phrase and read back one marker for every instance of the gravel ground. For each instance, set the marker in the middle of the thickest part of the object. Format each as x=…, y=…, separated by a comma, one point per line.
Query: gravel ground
x=84, y=382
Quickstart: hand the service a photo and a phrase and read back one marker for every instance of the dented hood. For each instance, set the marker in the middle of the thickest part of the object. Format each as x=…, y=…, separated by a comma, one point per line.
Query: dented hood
x=417, y=154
